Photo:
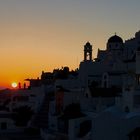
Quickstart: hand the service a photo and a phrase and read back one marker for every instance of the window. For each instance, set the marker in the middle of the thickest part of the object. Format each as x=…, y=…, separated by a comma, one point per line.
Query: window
x=3, y=125
x=126, y=109
x=109, y=46
x=105, y=84
x=105, y=77
x=119, y=53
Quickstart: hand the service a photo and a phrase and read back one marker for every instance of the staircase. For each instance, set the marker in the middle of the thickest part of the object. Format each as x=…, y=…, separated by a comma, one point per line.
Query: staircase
x=40, y=119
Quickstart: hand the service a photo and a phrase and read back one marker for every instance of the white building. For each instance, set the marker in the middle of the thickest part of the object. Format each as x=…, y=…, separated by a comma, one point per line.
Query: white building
x=108, y=91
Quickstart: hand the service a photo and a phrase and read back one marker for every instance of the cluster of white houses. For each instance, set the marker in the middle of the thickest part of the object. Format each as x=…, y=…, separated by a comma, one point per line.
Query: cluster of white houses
x=102, y=102
x=108, y=91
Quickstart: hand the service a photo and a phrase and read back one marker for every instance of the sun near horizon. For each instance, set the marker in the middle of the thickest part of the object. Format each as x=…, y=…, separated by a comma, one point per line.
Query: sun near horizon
x=14, y=84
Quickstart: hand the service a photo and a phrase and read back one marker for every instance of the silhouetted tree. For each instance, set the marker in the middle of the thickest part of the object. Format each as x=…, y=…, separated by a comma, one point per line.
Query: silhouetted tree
x=22, y=115
x=6, y=102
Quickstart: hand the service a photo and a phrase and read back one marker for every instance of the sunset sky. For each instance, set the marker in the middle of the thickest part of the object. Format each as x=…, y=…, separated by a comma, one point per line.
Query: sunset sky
x=38, y=35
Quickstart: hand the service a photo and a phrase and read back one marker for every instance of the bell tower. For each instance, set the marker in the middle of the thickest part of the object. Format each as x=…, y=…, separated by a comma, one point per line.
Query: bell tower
x=87, y=52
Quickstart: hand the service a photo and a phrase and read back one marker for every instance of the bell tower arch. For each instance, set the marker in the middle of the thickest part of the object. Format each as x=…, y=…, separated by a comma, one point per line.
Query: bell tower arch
x=87, y=52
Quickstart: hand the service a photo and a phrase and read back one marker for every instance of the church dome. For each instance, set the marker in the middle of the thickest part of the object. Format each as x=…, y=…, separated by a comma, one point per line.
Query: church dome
x=115, y=39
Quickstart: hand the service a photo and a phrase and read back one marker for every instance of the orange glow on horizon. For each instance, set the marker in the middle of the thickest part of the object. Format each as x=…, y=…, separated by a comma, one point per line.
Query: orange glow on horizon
x=38, y=36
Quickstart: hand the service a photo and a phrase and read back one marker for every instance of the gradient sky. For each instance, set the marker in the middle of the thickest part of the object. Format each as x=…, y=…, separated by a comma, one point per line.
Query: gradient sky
x=38, y=35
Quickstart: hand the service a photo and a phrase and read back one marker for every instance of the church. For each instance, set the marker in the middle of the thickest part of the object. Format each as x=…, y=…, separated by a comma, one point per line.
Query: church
x=104, y=97
x=112, y=66
x=116, y=67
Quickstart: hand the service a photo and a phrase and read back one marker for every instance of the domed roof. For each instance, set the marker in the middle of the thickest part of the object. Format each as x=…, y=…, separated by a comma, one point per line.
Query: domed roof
x=115, y=39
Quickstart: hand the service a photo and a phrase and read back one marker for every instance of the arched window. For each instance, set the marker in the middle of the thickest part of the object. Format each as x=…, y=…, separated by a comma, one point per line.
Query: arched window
x=110, y=46
x=126, y=109
x=105, y=84
x=105, y=77
x=105, y=81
